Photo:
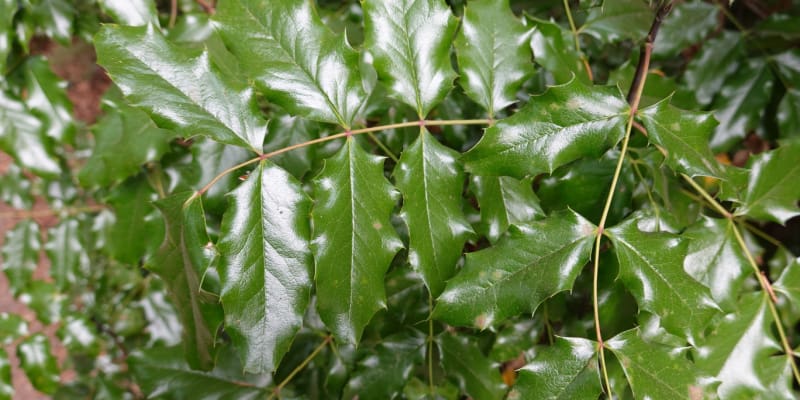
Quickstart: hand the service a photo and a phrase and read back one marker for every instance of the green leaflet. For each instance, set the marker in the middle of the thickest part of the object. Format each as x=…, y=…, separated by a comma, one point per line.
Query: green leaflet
x=69, y=260
x=138, y=229
x=553, y=50
x=566, y=370
x=21, y=254
x=181, y=263
x=616, y=20
x=741, y=354
x=466, y=365
x=716, y=60
x=8, y=8
x=80, y=336
x=740, y=104
x=12, y=327
x=684, y=135
x=651, y=266
x=396, y=355
x=789, y=283
x=768, y=190
x=354, y=241
x=47, y=98
x=410, y=42
x=789, y=114
x=179, y=88
x=6, y=388
x=266, y=265
x=294, y=59
x=655, y=371
x=23, y=137
x=431, y=182
x=565, y=123
x=494, y=57
x=688, y=23
x=39, y=363
x=534, y=262
x=504, y=201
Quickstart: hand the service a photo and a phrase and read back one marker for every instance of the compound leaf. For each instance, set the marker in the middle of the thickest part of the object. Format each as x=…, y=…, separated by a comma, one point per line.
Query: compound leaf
x=410, y=42
x=266, y=265
x=431, y=182
x=769, y=190
x=180, y=88
x=474, y=373
x=494, y=57
x=565, y=123
x=535, y=261
x=354, y=241
x=181, y=262
x=294, y=59
x=566, y=370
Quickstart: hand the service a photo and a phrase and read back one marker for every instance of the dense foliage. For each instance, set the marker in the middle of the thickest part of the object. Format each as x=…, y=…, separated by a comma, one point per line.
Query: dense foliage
x=408, y=199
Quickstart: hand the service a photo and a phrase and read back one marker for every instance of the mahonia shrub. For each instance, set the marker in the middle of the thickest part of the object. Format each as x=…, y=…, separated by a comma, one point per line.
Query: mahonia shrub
x=407, y=199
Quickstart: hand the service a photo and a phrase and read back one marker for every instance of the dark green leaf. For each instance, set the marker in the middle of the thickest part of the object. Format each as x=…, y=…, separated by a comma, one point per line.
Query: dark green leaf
x=504, y=201
x=769, y=191
x=565, y=123
x=285, y=131
x=651, y=266
x=79, y=336
x=47, y=98
x=21, y=254
x=715, y=258
x=655, y=371
x=181, y=263
x=383, y=372
x=553, y=50
x=138, y=228
x=788, y=283
x=68, y=257
x=684, y=136
x=534, y=262
x=618, y=19
x=8, y=8
x=23, y=138
x=716, y=60
x=131, y=12
x=266, y=265
x=12, y=327
x=39, y=363
x=294, y=59
x=494, y=57
x=123, y=127
x=789, y=114
x=410, y=42
x=688, y=23
x=6, y=388
x=354, y=241
x=162, y=372
x=431, y=181
x=740, y=353
x=211, y=158
x=474, y=373
x=566, y=370
x=741, y=102
x=180, y=89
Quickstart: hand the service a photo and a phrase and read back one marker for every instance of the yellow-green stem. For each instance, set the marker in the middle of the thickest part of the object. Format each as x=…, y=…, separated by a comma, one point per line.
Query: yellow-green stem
x=430, y=344
x=277, y=390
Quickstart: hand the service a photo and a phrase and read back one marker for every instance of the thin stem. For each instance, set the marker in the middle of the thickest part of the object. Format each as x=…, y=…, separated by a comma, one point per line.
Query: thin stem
x=714, y=204
x=764, y=235
x=574, y=30
x=383, y=146
x=547, y=326
x=285, y=381
x=173, y=13
x=430, y=344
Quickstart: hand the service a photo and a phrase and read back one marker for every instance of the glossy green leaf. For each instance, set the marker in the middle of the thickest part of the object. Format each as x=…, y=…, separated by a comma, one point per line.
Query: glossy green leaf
x=47, y=98
x=80, y=336
x=410, y=43
x=6, y=386
x=651, y=266
x=45, y=300
x=12, y=327
x=789, y=114
x=210, y=158
x=535, y=261
x=23, y=137
x=716, y=60
x=285, y=131
x=740, y=104
x=788, y=283
x=354, y=241
x=138, y=228
x=566, y=370
x=122, y=127
x=301, y=66
x=741, y=354
x=715, y=258
x=383, y=372
x=431, y=181
x=554, y=50
x=131, y=12
x=618, y=19
x=39, y=363
x=162, y=372
x=163, y=323
x=769, y=190
x=494, y=57
x=504, y=201
x=266, y=265
x=684, y=135
x=655, y=371
x=466, y=365
x=53, y=18
x=565, y=123
x=15, y=188
x=179, y=88
x=181, y=263
x=8, y=8
x=21, y=254
x=68, y=258
x=688, y=23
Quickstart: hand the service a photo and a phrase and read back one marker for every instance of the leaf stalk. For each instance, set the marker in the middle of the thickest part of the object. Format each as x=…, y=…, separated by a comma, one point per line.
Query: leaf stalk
x=277, y=390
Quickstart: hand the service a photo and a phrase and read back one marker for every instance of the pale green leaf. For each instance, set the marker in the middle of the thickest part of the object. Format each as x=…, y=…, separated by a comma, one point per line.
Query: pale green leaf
x=21, y=254
x=8, y=8
x=6, y=386
x=180, y=88
x=39, y=363
x=617, y=20
x=47, y=98
x=294, y=58
x=410, y=43
x=12, y=327
x=266, y=265
x=565, y=123
x=45, y=300
x=466, y=365
x=354, y=241
x=80, y=336
x=431, y=181
x=534, y=262
x=789, y=282
x=23, y=137
x=131, y=12
x=504, y=201
x=566, y=370
x=69, y=260
x=769, y=190
x=494, y=57
x=181, y=263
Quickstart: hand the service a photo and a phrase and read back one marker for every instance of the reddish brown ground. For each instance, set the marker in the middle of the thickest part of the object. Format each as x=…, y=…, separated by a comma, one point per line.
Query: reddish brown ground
x=86, y=84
